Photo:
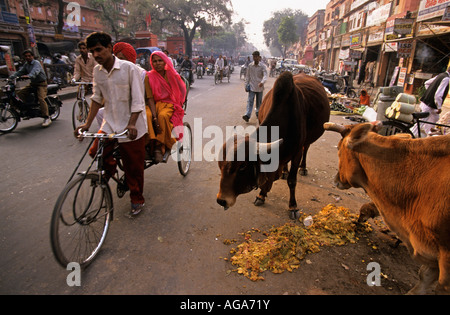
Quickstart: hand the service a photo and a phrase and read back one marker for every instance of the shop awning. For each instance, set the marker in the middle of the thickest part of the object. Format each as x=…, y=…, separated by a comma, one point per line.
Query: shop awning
x=57, y=47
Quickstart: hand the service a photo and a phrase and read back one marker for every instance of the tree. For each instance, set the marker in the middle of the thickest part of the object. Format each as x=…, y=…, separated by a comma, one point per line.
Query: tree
x=271, y=27
x=190, y=16
x=110, y=15
x=287, y=34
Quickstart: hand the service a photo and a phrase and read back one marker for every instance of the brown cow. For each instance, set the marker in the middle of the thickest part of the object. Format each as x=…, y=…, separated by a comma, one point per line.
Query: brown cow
x=299, y=107
x=409, y=182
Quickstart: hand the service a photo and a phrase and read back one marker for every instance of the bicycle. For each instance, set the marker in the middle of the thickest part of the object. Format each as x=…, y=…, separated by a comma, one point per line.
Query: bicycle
x=84, y=209
x=393, y=126
x=81, y=107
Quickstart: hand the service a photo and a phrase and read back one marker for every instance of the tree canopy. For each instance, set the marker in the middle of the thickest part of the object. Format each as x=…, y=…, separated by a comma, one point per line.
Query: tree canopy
x=191, y=16
x=272, y=25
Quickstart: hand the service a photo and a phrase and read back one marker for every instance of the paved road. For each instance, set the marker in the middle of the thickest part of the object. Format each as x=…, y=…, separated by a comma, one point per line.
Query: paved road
x=157, y=247
x=173, y=248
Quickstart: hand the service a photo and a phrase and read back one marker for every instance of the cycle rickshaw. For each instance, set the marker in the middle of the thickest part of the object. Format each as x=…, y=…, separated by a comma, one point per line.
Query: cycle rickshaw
x=84, y=209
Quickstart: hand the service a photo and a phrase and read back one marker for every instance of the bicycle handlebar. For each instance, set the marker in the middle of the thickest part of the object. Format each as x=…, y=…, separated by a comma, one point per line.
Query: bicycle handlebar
x=122, y=135
x=79, y=83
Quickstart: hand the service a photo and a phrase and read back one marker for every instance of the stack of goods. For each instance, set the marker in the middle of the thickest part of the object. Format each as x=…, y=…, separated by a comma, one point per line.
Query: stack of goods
x=403, y=108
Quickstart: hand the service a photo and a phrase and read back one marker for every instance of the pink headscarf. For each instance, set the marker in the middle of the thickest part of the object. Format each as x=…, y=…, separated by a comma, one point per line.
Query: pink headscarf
x=173, y=92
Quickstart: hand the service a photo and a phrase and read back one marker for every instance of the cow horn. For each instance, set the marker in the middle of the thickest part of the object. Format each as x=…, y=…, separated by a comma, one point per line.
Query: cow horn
x=334, y=127
x=267, y=147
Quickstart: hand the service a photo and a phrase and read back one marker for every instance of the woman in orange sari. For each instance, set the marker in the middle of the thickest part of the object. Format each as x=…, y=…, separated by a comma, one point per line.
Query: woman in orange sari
x=165, y=93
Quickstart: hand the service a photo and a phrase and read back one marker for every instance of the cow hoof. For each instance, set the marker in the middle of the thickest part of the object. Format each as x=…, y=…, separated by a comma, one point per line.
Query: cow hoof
x=303, y=172
x=258, y=202
x=294, y=214
x=284, y=175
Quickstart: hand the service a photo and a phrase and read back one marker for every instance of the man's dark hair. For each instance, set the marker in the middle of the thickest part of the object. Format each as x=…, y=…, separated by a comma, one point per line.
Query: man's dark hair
x=81, y=43
x=101, y=38
x=27, y=51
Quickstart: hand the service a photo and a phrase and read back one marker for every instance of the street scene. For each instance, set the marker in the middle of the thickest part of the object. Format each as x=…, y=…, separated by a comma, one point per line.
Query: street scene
x=306, y=158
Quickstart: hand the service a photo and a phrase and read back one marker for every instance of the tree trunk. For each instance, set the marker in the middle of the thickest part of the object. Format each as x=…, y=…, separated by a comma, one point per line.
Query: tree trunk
x=61, y=10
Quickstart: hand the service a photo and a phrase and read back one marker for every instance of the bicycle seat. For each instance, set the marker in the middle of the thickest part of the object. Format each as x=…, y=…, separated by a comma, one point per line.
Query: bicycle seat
x=420, y=115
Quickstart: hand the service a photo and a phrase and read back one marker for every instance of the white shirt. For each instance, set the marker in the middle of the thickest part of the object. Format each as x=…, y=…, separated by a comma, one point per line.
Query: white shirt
x=256, y=74
x=122, y=91
x=439, y=96
x=220, y=64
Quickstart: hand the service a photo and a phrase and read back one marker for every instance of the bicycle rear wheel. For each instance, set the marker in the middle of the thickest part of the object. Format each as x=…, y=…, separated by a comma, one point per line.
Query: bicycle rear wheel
x=392, y=127
x=80, y=220
x=184, y=150
x=80, y=113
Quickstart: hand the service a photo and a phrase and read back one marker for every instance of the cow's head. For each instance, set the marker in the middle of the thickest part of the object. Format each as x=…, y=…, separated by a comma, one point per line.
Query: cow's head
x=350, y=172
x=240, y=173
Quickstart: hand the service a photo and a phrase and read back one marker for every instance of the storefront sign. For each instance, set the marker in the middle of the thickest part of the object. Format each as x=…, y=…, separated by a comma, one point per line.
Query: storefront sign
x=379, y=15
x=344, y=54
x=426, y=29
x=404, y=49
x=446, y=16
x=355, y=54
x=403, y=26
x=355, y=40
x=375, y=37
x=390, y=47
x=429, y=9
x=401, y=77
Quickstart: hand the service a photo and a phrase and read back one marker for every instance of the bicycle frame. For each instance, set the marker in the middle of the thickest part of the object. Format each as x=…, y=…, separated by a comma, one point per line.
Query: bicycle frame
x=98, y=158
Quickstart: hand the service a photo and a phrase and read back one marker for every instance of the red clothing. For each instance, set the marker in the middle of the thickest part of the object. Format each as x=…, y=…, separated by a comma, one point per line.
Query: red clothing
x=172, y=91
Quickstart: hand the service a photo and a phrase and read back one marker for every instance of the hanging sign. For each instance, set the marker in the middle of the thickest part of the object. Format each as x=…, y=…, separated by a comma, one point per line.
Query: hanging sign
x=404, y=49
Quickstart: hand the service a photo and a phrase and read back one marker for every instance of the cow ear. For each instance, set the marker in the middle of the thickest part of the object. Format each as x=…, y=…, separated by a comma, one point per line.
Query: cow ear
x=358, y=135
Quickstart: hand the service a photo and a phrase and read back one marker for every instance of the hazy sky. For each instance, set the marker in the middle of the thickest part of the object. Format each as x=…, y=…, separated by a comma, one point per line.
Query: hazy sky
x=258, y=11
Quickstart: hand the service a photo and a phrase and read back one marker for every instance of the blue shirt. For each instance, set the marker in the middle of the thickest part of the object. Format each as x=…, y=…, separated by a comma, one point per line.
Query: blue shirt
x=33, y=70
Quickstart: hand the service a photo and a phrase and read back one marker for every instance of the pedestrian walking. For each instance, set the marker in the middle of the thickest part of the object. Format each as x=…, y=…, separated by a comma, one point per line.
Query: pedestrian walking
x=255, y=78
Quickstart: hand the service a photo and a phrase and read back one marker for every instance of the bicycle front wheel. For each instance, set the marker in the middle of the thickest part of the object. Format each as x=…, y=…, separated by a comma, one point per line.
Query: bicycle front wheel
x=80, y=113
x=80, y=220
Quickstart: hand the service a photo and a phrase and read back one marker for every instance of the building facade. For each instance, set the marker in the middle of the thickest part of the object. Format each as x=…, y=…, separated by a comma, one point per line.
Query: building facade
x=400, y=42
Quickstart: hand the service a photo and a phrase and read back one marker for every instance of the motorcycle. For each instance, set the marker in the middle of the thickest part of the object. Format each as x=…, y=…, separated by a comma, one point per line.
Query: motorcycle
x=13, y=109
x=199, y=70
x=210, y=69
x=187, y=73
x=338, y=84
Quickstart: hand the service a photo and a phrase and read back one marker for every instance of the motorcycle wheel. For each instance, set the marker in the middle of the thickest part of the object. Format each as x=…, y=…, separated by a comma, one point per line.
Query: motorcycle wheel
x=8, y=120
x=56, y=109
x=351, y=93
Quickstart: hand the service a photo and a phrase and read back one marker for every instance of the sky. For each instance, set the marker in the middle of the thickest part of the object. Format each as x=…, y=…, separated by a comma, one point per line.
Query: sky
x=257, y=11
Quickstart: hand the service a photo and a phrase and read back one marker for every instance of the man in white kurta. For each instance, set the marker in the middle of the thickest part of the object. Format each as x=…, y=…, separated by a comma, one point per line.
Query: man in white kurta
x=117, y=86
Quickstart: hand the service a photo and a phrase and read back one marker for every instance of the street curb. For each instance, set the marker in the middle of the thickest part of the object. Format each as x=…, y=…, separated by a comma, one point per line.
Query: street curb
x=67, y=95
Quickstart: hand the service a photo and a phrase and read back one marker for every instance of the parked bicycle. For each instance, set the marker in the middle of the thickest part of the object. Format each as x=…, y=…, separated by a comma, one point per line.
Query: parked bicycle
x=393, y=126
x=84, y=210
x=81, y=107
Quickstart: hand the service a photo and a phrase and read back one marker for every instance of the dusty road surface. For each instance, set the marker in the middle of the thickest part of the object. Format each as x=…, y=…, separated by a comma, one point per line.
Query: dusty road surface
x=177, y=246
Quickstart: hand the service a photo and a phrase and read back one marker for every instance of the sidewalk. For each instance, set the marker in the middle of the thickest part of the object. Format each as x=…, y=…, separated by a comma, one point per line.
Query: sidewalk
x=68, y=92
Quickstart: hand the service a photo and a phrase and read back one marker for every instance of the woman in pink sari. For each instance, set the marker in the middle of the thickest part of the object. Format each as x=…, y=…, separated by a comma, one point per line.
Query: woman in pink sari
x=165, y=93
